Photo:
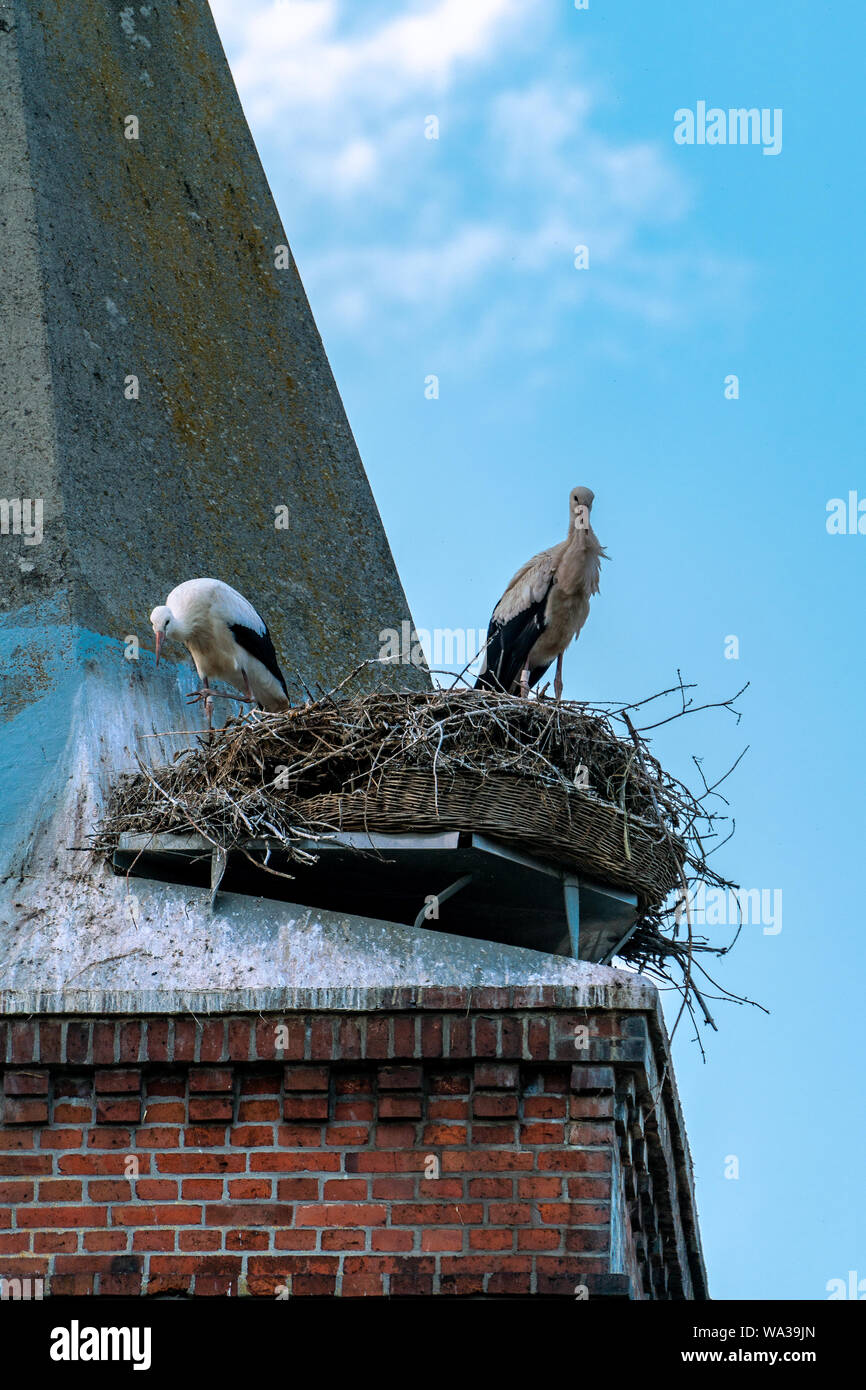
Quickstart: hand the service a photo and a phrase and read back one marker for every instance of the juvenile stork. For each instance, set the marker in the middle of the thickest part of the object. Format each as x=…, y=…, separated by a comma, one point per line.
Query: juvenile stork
x=544, y=607
x=226, y=638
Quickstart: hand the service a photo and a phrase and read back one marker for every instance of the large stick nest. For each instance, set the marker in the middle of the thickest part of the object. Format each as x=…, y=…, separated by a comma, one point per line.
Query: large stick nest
x=558, y=780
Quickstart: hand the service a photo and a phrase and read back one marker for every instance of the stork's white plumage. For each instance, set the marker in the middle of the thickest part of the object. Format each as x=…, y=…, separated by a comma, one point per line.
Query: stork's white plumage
x=226, y=638
x=544, y=607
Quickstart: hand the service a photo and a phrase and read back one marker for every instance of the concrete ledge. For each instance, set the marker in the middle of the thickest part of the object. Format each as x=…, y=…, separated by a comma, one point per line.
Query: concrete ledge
x=602, y=988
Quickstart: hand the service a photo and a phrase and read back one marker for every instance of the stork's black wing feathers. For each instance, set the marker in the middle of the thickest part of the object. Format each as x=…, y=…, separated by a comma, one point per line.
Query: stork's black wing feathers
x=259, y=645
x=509, y=645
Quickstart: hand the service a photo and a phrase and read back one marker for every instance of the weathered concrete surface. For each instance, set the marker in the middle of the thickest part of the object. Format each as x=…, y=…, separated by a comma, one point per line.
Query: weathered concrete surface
x=152, y=257
x=155, y=257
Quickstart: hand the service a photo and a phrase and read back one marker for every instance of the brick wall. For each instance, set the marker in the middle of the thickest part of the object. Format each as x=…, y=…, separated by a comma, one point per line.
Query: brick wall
x=457, y=1143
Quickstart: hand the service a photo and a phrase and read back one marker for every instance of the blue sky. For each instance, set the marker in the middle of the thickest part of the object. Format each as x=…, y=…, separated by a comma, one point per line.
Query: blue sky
x=454, y=257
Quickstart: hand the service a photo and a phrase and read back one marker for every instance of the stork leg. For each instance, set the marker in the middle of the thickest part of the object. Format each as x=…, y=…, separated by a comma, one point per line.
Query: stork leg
x=557, y=680
x=524, y=683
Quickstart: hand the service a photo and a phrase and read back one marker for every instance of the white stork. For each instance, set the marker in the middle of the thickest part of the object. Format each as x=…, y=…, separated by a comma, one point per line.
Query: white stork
x=226, y=638
x=544, y=607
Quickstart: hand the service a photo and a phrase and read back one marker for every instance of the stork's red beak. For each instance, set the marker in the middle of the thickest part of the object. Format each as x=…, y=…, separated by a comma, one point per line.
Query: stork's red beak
x=159, y=636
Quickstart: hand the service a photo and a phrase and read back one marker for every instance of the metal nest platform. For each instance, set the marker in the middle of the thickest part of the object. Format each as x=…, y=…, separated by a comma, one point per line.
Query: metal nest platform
x=458, y=882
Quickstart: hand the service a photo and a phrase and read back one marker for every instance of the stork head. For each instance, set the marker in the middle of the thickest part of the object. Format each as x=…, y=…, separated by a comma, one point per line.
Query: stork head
x=580, y=505
x=164, y=624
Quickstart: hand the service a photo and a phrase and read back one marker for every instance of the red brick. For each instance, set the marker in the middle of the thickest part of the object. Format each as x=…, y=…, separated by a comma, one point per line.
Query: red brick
x=378, y=1037
x=491, y=1239
x=26, y=1083
x=545, y=1107
x=297, y=1189
x=588, y=1188
x=61, y=1139
x=101, y=1165
x=199, y=1240
x=497, y=1076
x=493, y=1106
x=75, y=1115
x=118, y=1081
x=50, y=1042
x=486, y=1044
x=341, y=1214
x=165, y=1086
x=462, y=1161
x=15, y=1165
x=400, y=1107
x=435, y=1136
x=431, y=1037
x=322, y=1039
x=174, y=1215
x=205, y=1136
x=25, y=1112
x=347, y=1136
x=305, y=1107
x=105, y=1240
x=240, y=1035
x=159, y=1137
x=184, y=1040
x=247, y=1240
x=210, y=1189
x=210, y=1079
x=274, y=1162
x=62, y=1216
x=99, y=1138
x=14, y=1192
x=14, y=1242
x=252, y=1136
x=436, y=1213
x=167, y=1112
x=290, y=1042
x=592, y=1078
x=591, y=1107
x=491, y=1187
x=405, y=1039
x=23, y=1041
x=400, y=1078
x=587, y=1239
x=265, y=1039
x=157, y=1040
x=387, y=1189
x=392, y=1240
x=345, y=1190
x=156, y=1190
x=17, y=1139
x=60, y=1191
x=212, y=1042
x=250, y=1189
x=354, y=1110
x=344, y=1240
x=190, y=1162
x=212, y=1108
x=533, y=1238
x=114, y=1112
x=144, y=1239
x=441, y=1239
x=129, y=1042
x=234, y=1214
x=348, y=1038
x=250, y=1111
x=572, y=1160
x=55, y=1242
x=539, y=1187
x=260, y=1083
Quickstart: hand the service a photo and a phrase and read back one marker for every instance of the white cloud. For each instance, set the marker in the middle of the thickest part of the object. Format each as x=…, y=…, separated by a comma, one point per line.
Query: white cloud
x=487, y=217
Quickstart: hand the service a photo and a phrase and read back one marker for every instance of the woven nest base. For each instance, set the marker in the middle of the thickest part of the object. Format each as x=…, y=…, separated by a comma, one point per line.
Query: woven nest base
x=566, y=828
